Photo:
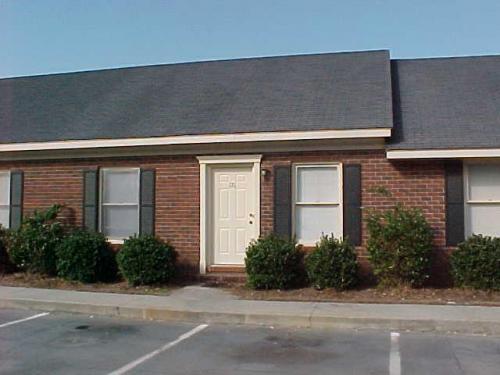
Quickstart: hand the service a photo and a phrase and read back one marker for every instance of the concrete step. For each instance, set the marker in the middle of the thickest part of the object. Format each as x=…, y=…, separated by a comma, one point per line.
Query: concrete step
x=226, y=269
x=222, y=278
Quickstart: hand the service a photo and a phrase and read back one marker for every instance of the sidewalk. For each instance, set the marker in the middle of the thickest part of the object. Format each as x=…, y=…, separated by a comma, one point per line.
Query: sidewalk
x=200, y=304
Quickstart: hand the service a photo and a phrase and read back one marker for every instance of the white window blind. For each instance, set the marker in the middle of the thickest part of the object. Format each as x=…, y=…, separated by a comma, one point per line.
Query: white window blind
x=482, y=199
x=317, y=202
x=4, y=199
x=119, y=203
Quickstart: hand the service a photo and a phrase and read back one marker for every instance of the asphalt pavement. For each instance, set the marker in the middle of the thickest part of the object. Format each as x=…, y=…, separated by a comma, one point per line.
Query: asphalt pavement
x=38, y=342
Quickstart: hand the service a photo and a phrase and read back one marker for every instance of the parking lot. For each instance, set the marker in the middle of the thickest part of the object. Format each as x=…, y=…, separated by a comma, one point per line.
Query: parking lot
x=40, y=343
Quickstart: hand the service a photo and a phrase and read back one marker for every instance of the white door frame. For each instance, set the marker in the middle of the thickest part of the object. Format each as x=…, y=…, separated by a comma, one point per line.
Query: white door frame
x=206, y=162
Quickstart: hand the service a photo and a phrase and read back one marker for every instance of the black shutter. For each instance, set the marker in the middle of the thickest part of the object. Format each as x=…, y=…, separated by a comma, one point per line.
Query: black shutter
x=455, y=227
x=283, y=201
x=352, y=203
x=91, y=199
x=16, y=199
x=147, y=202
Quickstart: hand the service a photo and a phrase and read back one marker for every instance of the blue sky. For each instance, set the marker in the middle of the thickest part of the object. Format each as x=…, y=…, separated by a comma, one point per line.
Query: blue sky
x=47, y=36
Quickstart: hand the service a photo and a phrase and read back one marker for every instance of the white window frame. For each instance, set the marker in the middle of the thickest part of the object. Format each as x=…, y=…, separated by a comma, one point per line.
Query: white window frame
x=295, y=168
x=7, y=173
x=102, y=204
x=471, y=202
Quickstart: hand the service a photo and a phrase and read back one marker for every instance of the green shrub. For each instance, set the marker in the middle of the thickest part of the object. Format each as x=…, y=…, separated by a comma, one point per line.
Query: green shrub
x=5, y=263
x=399, y=246
x=332, y=264
x=476, y=263
x=85, y=256
x=146, y=260
x=273, y=262
x=32, y=246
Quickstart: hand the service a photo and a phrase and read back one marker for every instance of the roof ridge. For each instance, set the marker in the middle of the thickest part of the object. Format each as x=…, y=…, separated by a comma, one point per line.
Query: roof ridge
x=469, y=57
x=239, y=59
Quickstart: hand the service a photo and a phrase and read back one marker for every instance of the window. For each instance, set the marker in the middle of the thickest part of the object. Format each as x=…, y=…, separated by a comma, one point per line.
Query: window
x=317, y=202
x=482, y=199
x=119, y=202
x=4, y=199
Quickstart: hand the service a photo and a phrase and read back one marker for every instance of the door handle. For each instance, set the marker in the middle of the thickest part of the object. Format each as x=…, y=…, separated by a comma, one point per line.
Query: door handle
x=251, y=215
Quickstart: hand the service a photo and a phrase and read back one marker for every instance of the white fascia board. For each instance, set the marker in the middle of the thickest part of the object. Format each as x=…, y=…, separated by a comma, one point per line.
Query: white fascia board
x=444, y=153
x=198, y=139
x=229, y=159
x=204, y=149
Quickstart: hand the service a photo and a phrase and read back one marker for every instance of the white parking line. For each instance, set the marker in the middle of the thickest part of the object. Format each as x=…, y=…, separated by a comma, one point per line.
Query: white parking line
x=395, y=356
x=137, y=362
x=24, y=320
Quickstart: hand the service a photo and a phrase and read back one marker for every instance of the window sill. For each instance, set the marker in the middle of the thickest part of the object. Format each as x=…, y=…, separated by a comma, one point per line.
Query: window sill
x=115, y=242
x=305, y=244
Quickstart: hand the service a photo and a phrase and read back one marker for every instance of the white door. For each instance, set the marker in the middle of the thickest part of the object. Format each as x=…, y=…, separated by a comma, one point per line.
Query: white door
x=233, y=212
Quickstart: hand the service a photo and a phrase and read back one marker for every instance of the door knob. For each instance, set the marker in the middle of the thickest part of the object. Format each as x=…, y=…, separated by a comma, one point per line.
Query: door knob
x=251, y=215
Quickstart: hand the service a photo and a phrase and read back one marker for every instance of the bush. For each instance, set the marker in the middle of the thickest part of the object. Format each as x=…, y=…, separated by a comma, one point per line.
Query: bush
x=5, y=263
x=476, y=263
x=399, y=246
x=332, y=264
x=146, y=260
x=273, y=262
x=32, y=246
x=85, y=256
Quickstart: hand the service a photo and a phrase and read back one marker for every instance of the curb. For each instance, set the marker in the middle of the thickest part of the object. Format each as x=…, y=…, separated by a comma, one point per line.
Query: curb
x=312, y=320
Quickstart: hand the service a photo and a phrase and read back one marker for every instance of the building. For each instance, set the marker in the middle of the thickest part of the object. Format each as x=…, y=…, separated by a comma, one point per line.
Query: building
x=209, y=155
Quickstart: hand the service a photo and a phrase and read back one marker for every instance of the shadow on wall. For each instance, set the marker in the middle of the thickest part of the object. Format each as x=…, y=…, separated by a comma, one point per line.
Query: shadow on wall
x=440, y=275
x=68, y=216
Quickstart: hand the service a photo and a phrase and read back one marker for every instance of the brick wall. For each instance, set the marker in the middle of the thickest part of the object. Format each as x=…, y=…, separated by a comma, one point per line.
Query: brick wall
x=413, y=183
x=418, y=184
x=177, y=194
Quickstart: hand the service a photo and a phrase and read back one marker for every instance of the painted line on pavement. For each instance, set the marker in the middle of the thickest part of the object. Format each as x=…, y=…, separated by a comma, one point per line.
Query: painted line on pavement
x=395, y=356
x=137, y=362
x=24, y=320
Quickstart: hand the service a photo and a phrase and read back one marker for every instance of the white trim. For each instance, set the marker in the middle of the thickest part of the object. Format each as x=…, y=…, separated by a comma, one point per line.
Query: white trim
x=7, y=174
x=198, y=139
x=229, y=159
x=118, y=241
x=467, y=201
x=203, y=218
x=465, y=182
x=115, y=242
x=339, y=204
x=496, y=201
x=202, y=149
x=205, y=181
x=444, y=153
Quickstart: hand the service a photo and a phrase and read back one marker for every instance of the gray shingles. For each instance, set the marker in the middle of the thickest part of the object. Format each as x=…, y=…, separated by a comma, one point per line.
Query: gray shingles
x=446, y=103
x=308, y=92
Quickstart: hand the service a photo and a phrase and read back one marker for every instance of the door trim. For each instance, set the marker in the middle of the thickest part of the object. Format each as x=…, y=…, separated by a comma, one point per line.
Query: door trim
x=206, y=162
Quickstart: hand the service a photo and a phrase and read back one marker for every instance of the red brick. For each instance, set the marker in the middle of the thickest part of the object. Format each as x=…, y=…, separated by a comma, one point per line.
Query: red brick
x=413, y=183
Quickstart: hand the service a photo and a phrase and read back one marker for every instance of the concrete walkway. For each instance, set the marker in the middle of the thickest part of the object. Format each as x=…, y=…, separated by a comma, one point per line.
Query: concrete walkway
x=201, y=304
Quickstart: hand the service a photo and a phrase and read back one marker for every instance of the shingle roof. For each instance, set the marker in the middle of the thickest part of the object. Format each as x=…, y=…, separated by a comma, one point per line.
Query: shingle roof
x=305, y=92
x=445, y=103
